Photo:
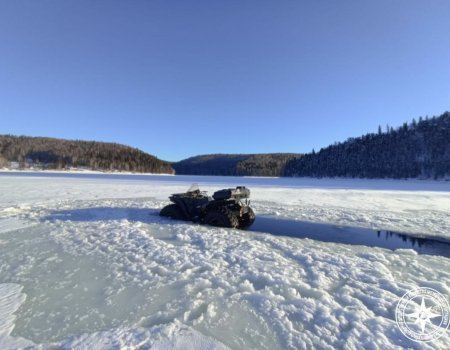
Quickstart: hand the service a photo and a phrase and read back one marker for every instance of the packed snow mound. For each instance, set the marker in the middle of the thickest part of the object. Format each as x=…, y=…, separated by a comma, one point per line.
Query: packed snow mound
x=11, y=298
x=174, y=336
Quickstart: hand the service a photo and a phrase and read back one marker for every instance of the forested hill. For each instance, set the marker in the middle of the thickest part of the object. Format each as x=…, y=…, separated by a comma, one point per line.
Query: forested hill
x=420, y=149
x=235, y=164
x=50, y=153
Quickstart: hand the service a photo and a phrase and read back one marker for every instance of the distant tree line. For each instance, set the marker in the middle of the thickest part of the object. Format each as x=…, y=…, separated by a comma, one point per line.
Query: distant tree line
x=272, y=164
x=235, y=164
x=50, y=153
x=420, y=149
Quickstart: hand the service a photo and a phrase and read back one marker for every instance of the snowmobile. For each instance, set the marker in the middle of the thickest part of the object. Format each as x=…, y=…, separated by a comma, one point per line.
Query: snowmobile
x=229, y=207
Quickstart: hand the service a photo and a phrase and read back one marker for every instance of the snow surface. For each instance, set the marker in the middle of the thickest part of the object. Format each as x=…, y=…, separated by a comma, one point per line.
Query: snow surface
x=88, y=263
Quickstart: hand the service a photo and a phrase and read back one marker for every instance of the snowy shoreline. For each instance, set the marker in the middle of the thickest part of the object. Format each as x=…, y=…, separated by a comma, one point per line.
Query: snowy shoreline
x=77, y=171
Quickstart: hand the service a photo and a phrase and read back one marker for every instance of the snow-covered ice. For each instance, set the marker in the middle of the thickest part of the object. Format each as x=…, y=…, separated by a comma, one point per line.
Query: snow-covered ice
x=86, y=262
x=11, y=299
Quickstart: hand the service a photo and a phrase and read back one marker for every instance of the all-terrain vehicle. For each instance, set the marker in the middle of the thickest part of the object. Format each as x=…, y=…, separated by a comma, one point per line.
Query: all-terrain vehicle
x=227, y=208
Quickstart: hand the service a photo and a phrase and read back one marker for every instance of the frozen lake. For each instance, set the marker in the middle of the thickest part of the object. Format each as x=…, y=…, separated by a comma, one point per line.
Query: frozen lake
x=411, y=185
x=86, y=262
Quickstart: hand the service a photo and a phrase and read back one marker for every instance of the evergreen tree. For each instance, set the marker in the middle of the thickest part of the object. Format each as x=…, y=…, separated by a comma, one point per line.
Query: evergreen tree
x=411, y=151
x=49, y=153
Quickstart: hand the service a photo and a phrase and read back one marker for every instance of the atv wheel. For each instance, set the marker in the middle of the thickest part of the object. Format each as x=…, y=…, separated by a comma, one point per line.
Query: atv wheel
x=247, y=219
x=222, y=217
x=172, y=211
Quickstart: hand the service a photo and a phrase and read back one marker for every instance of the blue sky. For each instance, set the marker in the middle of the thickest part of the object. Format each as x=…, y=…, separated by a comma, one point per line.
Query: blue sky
x=181, y=78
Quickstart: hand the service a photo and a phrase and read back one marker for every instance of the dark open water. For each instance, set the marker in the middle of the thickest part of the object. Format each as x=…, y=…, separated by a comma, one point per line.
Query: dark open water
x=350, y=235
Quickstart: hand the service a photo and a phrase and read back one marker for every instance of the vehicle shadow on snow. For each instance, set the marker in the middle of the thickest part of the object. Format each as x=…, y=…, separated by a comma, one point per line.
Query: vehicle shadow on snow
x=144, y=215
